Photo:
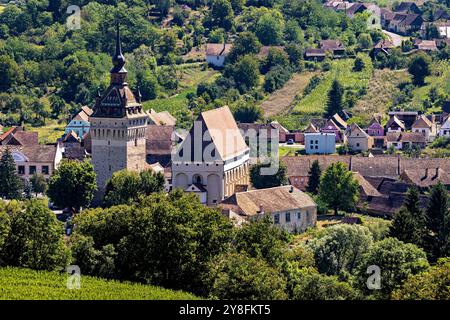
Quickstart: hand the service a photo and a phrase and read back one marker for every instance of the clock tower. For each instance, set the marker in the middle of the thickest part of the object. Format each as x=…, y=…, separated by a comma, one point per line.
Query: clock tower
x=118, y=126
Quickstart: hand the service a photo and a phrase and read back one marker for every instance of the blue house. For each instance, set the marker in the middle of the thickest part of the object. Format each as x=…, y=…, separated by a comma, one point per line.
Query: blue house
x=320, y=143
x=80, y=123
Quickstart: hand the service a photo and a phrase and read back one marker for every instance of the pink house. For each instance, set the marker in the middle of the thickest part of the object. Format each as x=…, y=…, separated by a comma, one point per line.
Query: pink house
x=331, y=127
x=375, y=129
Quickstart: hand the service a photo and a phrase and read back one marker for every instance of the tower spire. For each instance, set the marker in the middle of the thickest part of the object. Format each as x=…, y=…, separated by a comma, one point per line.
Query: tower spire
x=118, y=72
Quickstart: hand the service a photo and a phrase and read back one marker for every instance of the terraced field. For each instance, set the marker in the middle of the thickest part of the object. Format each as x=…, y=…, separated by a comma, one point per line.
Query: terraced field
x=28, y=284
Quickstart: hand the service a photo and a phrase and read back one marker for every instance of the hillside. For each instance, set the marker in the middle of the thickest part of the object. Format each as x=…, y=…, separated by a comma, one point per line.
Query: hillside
x=41, y=285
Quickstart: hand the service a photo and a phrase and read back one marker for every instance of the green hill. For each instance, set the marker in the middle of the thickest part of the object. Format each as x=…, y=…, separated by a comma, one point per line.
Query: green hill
x=17, y=284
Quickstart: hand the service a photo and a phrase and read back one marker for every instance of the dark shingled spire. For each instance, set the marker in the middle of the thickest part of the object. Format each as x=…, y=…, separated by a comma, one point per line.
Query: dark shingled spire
x=118, y=72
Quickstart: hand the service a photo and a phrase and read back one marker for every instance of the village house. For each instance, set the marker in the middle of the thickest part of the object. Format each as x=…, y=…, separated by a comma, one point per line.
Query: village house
x=214, y=155
x=425, y=45
x=34, y=159
x=332, y=127
x=375, y=129
x=408, y=7
x=315, y=54
x=407, y=117
x=282, y=131
x=337, y=119
x=163, y=118
x=216, y=53
x=358, y=139
x=17, y=136
x=425, y=178
x=336, y=47
x=443, y=27
x=320, y=143
x=288, y=207
x=444, y=130
x=80, y=123
x=405, y=23
x=394, y=124
x=426, y=127
x=259, y=137
x=383, y=46
x=405, y=140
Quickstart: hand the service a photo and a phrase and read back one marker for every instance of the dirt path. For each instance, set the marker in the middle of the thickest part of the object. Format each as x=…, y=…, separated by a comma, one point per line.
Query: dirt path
x=281, y=100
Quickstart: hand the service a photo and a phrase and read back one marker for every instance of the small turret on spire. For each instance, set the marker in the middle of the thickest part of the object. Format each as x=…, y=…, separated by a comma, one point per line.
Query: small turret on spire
x=139, y=95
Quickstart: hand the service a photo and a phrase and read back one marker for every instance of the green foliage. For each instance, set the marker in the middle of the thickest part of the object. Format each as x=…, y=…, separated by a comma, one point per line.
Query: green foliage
x=437, y=216
x=308, y=284
x=35, y=239
x=419, y=67
x=125, y=187
x=245, y=73
x=238, y=276
x=269, y=28
x=433, y=284
x=246, y=43
x=335, y=98
x=408, y=224
x=10, y=183
x=261, y=181
x=338, y=188
x=397, y=261
x=262, y=240
x=222, y=14
x=72, y=184
x=339, y=249
x=276, y=78
x=38, y=183
x=314, y=178
x=247, y=113
x=43, y=285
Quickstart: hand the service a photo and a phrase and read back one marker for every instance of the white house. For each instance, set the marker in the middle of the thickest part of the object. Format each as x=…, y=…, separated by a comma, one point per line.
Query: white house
x=80, y=123
x=444, y=131
x=216, y=53
x=320, y=143
x=426, y=127
x=288, y=207
x=213, y=158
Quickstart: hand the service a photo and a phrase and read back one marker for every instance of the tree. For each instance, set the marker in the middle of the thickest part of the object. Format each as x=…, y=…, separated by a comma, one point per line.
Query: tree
x=396, y=261
x=262, y=240
x=314, y=178
x=437, y=215
x=238, y=276
x=72, y=185
x=261, y=181
x=246, y=43
x=148, y=85
x=408, y=224
x=11, y=73
x=340, y=248
x=10, y=184
x=269, y=29
x=125, y=187
x=309, y=284
x=431, y=285
x=245, y=73
x=5, y=226
x=338, y=188
x=419, y=67
x=38, y=183
x=335, y=98
x=358, y=65
x=222, y=14
x=35, y=239
x=247, y=113
x=364, y=41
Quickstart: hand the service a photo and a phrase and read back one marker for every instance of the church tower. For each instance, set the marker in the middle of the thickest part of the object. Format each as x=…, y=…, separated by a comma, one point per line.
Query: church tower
x=118, y=126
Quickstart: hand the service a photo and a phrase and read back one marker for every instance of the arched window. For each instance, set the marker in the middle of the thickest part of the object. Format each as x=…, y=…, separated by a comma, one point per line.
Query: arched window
x=197, y=179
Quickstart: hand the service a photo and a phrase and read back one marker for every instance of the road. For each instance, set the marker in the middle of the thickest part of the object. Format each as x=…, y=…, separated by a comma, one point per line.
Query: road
x=395, y=38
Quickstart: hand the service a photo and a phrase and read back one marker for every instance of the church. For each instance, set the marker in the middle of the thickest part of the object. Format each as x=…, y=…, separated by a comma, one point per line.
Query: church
x=213, y=160
x=117, y=126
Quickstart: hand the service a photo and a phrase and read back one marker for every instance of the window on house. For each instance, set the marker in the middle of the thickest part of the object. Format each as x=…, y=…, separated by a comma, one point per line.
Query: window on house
x=32, y=169
x=21, y=169
x=276, y=218
x=299, y=215
x=317, y=147
x=44, y=170
x=312, y=147
x=288, y=217
x=357, y=144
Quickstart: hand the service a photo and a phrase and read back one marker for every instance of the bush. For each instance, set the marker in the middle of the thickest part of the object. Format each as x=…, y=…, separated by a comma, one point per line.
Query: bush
x=276, y=78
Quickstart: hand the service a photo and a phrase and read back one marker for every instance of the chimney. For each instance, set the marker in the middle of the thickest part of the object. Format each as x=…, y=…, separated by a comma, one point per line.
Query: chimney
x=261, y=209
x=436, y=175
x=291, y=189
x=426, y=174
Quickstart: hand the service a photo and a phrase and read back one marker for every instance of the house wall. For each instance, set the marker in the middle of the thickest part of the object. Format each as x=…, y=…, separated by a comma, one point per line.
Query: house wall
x=300, y=219
x=360, y=143
x=79, y=127
x=320, y=143
x=217, y=61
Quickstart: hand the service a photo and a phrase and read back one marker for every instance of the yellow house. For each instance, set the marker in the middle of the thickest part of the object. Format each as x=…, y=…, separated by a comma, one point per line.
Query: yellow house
x=358, y=139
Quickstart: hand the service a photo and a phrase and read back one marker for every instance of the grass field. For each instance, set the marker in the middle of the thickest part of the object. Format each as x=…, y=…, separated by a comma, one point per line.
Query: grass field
x=28, y=284
x=381, y=89
x=313, y=104
x=189, y=79
x=280, y=100
x=48, y=133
